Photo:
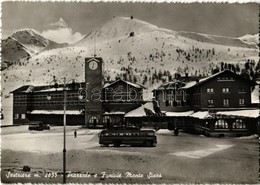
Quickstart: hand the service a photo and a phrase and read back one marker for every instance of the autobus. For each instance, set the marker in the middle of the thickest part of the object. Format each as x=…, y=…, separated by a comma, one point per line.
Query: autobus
x=128, y=137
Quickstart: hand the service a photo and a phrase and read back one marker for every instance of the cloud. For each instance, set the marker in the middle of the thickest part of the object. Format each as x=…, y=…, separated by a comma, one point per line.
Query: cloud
x=59, y=24
x=60, y=32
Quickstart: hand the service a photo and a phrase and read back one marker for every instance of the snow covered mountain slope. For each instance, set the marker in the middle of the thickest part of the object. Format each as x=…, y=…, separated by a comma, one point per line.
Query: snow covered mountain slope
x=251, y=39
x=226, y=41
x=12, y=50
x=132, y=50
x=34, y=42
x=119, y=27
x=25, y=43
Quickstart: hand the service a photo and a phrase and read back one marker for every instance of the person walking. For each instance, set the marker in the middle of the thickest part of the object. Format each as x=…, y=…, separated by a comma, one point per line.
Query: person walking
x=75, y=133
x=176, y=131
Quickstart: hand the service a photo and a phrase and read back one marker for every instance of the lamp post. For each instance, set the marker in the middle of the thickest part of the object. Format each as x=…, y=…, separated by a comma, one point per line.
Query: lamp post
x=64, y=130
x=64, y=118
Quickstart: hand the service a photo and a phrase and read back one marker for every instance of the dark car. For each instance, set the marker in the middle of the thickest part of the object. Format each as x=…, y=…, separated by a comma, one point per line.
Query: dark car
x=39, y=126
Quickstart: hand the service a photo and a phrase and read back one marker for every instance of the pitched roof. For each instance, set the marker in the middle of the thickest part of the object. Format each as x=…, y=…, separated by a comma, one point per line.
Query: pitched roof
x=170, y=85
x=45, y=88
x=127, y=82
x=203, y=80
x=21, y=89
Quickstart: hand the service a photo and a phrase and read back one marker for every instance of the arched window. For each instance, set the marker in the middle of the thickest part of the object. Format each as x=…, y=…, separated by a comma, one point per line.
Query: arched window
x=106, y=119
x=221, y=124
x=239, y=124
x=93, y=119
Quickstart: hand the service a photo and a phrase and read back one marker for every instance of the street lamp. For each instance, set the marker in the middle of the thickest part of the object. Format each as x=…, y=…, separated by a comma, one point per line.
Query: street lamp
x=64, y=116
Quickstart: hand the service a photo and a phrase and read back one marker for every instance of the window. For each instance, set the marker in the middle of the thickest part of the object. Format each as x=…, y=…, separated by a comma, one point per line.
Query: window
x=210, y=102
x=226, y=102
x=241, y=102
x=239, y=124
x=23, y=116
x=178, y=102
x=106, y=119
x=225, y=90
x=93, y=119
x=221, y=124
x=16, y=116
x=241, y=90
x=210, y=90
x=225, y=78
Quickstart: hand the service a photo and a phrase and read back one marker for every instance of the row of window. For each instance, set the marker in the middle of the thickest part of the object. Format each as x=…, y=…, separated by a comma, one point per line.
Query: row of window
x=51, y=103
x=174, y=103
x=17, y=116
x=225, y=78
x=226, y=102
x=106, y=119
x=226, y=90
x=238, y=124
x=45, y=96
x=20, y=97
x=127, y=134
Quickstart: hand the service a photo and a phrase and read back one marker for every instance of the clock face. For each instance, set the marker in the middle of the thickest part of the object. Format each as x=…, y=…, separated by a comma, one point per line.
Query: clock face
x=93, y=65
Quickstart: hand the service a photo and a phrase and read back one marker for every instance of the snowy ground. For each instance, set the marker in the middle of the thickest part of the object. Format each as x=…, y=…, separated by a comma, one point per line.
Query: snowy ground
x=179, y=159
x=46, y=141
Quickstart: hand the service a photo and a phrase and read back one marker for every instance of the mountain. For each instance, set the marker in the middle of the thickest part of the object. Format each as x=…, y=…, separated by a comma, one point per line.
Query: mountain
x=34, y=42
x=25, y=43
x=12, y=50
x=133, y=50
x=222, y=40
x=251, y=39
x=120, y=27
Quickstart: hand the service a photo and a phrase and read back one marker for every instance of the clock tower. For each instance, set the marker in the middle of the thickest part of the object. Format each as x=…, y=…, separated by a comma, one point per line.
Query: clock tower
x=94, y=85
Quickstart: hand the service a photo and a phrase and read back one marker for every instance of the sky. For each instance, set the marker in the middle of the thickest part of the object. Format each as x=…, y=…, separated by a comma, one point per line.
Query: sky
x=70, y=21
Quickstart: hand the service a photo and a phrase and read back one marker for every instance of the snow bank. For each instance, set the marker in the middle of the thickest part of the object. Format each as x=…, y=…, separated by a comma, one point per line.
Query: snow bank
x=254, y=136
x=164, y=132
x=240, y=113
x=71, y=112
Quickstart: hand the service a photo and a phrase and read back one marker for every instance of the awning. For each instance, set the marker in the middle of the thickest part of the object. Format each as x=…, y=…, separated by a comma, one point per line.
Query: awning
x=251, y=113
x=58, y=112
x=179, y=114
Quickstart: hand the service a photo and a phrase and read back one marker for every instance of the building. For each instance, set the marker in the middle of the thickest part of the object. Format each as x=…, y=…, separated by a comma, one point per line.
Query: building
x=171, y=97
x=119, y=98
x=216, y=105
x=222, y=91
x=46, y=103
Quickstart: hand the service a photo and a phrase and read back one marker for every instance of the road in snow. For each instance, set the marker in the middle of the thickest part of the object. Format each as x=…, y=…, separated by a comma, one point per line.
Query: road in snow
x=48, y=141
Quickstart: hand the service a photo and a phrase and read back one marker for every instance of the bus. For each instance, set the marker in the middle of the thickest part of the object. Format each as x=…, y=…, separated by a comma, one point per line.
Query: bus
x=129, y=137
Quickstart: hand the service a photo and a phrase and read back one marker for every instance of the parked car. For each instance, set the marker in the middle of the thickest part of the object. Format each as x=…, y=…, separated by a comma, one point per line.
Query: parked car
x=39, y=126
